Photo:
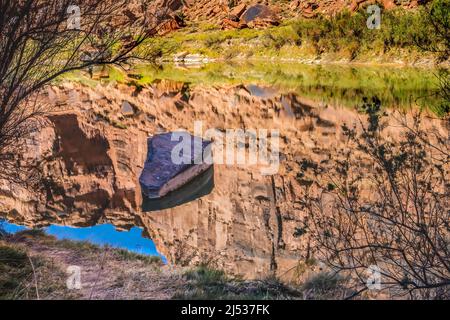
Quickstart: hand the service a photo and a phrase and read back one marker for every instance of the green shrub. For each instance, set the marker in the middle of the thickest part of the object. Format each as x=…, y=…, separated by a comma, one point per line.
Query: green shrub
x=399, y=29
x=132, y=256
x=324, y=285
x=15, y=270
x=344, y=35
x=204, y=275
x=206, y=282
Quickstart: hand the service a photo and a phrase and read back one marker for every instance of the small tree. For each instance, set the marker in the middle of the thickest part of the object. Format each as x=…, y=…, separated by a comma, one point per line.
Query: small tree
x=437, y=15
x=384, y=202
x=41, y=40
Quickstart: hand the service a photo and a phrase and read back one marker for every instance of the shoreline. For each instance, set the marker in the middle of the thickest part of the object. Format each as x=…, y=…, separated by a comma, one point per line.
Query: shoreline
x=342, y=39
x=308, y=61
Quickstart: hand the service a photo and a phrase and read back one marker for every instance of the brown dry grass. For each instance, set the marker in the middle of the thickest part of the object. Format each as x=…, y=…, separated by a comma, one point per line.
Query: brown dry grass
x=33, y=265
x=106, y=273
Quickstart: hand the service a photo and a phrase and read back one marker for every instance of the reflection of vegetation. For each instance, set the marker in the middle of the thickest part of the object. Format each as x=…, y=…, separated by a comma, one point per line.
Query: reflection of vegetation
x=443, y=77
x=340, y=85
x=437, y=16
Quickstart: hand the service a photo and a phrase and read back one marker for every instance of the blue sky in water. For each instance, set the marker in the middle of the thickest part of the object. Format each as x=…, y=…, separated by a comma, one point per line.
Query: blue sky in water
x=104, y=234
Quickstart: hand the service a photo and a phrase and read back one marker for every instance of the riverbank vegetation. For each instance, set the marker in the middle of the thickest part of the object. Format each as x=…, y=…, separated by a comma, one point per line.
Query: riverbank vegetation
x=206, y=282
x=34, y=265
x=336, y=85
x=42, y=40
x=343, y=37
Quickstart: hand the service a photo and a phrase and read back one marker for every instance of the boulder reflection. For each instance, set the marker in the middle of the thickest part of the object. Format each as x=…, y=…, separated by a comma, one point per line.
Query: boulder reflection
x=198, y=187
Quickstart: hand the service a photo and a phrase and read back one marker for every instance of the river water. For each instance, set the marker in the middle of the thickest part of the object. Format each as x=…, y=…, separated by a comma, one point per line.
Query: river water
x=91, y=153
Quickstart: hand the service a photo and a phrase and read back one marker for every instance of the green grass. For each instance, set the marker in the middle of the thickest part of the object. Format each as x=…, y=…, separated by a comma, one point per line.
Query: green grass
x=343, y=36
x=207, y=283
x=323, y=285
x=206, y=276
x=14, y=271
x=18, y=280
x=128, y=255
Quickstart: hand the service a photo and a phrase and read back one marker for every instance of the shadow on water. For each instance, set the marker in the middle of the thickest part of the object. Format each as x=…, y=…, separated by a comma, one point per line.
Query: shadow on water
x=201, y=186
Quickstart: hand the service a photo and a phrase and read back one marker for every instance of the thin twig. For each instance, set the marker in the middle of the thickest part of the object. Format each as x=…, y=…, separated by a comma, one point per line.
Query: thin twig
x=34, y=276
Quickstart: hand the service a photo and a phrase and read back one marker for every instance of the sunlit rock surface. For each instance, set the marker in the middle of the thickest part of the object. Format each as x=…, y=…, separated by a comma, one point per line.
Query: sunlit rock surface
x=91, y=155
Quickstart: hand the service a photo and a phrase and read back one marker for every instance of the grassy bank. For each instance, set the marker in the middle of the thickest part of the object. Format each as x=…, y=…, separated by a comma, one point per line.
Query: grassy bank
x=34, y=265
x=204, y=282
x=344, y=37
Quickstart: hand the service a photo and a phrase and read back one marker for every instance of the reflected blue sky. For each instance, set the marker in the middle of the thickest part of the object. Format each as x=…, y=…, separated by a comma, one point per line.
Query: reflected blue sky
x=104, y=234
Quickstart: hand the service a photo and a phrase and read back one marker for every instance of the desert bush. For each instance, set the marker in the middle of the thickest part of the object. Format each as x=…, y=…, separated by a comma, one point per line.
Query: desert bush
x=206, y=282
x=399, y=29
x=384, y=202
x=132, y=256
x=324, y=285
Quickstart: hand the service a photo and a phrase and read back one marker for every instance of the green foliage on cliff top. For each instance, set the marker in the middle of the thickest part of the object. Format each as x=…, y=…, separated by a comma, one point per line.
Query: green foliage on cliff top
x=344, y=36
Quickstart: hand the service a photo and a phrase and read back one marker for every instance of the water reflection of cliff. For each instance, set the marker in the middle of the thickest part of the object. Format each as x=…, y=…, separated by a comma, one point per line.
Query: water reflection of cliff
x=93, y=151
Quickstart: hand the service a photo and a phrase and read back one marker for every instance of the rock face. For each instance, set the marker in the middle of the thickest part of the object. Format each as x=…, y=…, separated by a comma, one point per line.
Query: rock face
x=90, y=158
x=257, y=16
x=171, y=22
x=172, y=14
x=238, y=10
x=258, y=11
x=164, y=171
x=215, y=11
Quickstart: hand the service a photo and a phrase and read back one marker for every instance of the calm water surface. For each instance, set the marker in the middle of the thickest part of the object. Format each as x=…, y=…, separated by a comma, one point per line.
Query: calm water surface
x=242, y=220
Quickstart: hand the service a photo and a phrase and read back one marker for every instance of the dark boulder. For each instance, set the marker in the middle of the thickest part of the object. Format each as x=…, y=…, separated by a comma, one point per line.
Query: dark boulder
x=258, y=11
x=162, y=173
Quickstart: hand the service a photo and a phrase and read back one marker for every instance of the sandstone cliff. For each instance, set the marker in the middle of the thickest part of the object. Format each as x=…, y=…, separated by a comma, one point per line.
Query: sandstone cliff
x=92, y=152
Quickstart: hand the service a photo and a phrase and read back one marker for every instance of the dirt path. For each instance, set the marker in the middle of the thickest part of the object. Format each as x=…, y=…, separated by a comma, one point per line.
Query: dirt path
x=108, y=273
